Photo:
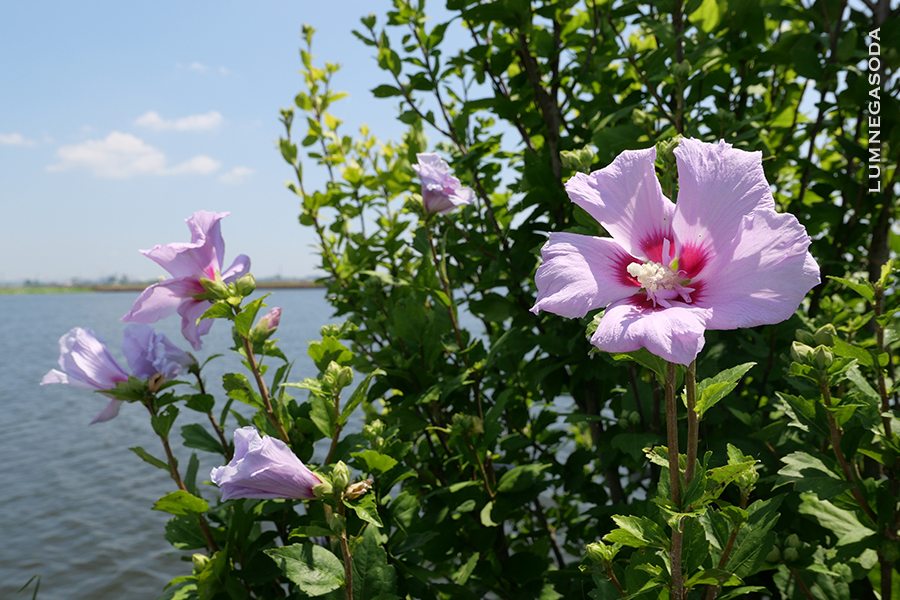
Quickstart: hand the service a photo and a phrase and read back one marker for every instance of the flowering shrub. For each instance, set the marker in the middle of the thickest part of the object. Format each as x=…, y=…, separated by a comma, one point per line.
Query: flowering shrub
x=655, y=405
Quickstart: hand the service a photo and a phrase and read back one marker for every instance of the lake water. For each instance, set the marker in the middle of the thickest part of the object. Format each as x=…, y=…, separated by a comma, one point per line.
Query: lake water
x=74, y=501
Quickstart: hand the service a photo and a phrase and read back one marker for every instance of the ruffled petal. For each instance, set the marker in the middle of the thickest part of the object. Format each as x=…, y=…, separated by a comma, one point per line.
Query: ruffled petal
x=190, y=311
x=763, y=277
x=202, y=256
x=717, y=186
x=54, y=376
x=674, y=334
x=110, y=412
x=162, y=299
x=581, y=273
x=239, y=268
x=626, y=198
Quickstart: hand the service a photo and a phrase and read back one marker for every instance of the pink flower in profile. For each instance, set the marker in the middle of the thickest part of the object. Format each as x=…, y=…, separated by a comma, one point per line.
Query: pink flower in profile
x=150, y=353
x=719, y=258
x=188, y=263
x=441, y=191
x=264, y=468
x=87, y=365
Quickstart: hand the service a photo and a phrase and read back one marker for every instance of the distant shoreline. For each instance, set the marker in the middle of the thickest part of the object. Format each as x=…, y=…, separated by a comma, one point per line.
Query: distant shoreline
x=137, y=287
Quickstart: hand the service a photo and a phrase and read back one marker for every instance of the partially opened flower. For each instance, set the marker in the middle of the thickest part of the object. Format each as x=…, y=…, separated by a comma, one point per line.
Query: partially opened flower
x=188, y=263
x=150, y=353
x=720, y=258
x=441, y=190
x=265, y=468
x=87, y=365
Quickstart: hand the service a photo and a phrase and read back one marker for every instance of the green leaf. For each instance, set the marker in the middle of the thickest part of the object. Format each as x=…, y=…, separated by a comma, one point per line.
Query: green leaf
x=864, y=288
x=195, y=436
x=190, y=476
x=372, y=575
x=755, y=539
x=712, y=577
x=712, y=390
x=486, y=515
x=806, y=414
x=810, y=474
x=376, y=461
x=365, y=509
x=162, y=422
x=633, y=444
x=219, y=310
x=202, y=403
x=520, y=478
x=243, y=321
x=708, y=15
x=461, y=576
x=314, y=570
x=149, y=458
x=386, y=91
x=181, y=503
x=184, y=533
x=740, y=592
x=843, y=523
x=237, y=386
x=321, y=413
x=358, y=395
x=637, y=532
x=646, y=358
x=842, y=348
x=314, y=530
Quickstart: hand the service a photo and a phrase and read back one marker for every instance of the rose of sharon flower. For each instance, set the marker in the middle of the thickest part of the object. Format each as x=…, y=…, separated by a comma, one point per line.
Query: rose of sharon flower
x=87, y=365
x=263, y=467
x=441, y=191
x=188, y=263
x=149, y=353
x=720, y=258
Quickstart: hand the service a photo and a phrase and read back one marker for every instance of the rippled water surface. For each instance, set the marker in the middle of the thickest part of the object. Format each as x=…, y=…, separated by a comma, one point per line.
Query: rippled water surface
x=74, y=501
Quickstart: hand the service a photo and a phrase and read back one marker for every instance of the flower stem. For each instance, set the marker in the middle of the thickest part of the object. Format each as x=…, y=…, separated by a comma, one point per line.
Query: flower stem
x=215, y=424
x=264, y=391
x=674, y=480
x=348, y=560
x=693, y=422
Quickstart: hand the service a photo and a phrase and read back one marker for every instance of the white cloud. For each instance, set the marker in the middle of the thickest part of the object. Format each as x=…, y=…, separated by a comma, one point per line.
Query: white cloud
x=237, y=175
x=199, y=67
x=205, y=122
x=121, y=155
x=15, y=139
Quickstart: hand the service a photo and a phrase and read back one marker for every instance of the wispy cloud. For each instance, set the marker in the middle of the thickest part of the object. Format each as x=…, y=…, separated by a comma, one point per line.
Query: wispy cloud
x=198, y=67
x=205, y=122
x=15, y=139
x=121, y=155
x=236, y=175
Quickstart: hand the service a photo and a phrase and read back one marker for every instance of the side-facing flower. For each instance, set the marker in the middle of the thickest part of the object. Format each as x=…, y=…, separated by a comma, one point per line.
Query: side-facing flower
x=188, y=263
x=719, y=258
x=87, y=365
x=441, y=190
x=150, y=353
x=265, y=468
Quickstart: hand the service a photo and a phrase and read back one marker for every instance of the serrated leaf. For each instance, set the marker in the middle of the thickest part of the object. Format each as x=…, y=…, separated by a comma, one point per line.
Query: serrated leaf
x=366, y=509
x=184, y=533
x=712, y=390
x=181, y=503
x=219, y=310
x=314, y=570
x=321, y=413
x=842, y=348
x=810, y=474
x=637, y=532
x=864, y=289
x=520, y=478
x=195, y=436
x=162, y=421
x=461, y=576
x=358, y=395
x=202, y=403
x=843, y=523
x=376, y=461
x=372, y=575
x=243, y=321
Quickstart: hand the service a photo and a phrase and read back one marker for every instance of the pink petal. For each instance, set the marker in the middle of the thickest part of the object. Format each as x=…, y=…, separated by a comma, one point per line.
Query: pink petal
x=162, y=299
x=674, y=334
x=199, y=258
x=581, y=273
x=625, y=197
x=190, y=311
x=239, y=268
x=717, y=186
x=110, y=412
x=763, y=277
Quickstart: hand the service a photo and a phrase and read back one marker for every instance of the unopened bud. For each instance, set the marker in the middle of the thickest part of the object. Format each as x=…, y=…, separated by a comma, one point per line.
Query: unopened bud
x=266, y=326
x=323, y=490
x=805, y=337
x=683, y=69
x=344, y=377
x=340, y=476
x=372, y=431
x=825, y=335
x=800, y=352
x=602, y=553
x=773, y=556
x=200, y=561
x=246, y=285
x=215, y=288
x=793, y=541
x=791, y=554
x=824, y=358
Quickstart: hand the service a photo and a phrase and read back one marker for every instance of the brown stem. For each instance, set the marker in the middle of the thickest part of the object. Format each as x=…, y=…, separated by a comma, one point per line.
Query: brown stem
x=264, y=391
x=839, y=454
x=615, y=580
x=539, y=513
x=712, y=591
x=674, y=480
x=800, y=583
x=693, y=422
x=348, y=560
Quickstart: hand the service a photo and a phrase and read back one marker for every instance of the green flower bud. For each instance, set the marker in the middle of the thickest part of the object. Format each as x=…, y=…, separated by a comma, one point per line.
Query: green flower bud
x=805, y=337
x=200, y=561
x=246, y=285
x=634, y=418
x=344, y=377
x=791, y=554
x=323, y=490
x=800, y=353
x=372, y=431
x=215, y=288
x=825, y=335
x=824, y=358
x=340, y=476
x=793, y=541
x=683, y=70
x=602, y=553
x=774, y=555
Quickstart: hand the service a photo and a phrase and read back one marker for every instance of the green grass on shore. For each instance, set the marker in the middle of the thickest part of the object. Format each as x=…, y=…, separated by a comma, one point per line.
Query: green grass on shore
x=42, y=289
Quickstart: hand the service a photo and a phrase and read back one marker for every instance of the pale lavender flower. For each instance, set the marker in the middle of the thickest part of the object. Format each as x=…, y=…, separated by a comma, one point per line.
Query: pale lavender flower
x=149, y=353
x=188, y=263
x=87, y=365
x=720, y=258
x=265, y=468
x=441, y=191
x=271, y=319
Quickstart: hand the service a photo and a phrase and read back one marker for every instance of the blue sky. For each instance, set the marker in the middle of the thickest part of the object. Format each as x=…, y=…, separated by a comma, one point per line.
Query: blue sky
x=119, y=120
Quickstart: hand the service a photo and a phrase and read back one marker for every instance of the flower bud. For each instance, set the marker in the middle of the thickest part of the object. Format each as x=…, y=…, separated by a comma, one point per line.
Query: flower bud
x=266, y=326
x=200, y=561
x=344, y=377
x=793, y=541
x=323, y=490
x=805, y=337
x=602, y=553
x=215, y=288
x=373, y=430
x=246, y=285
x=824, y=358
x=774, y=555
x=340, y=476
x=791, y=554
x=682, y=70
x=825, y=335
x=800, y=352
